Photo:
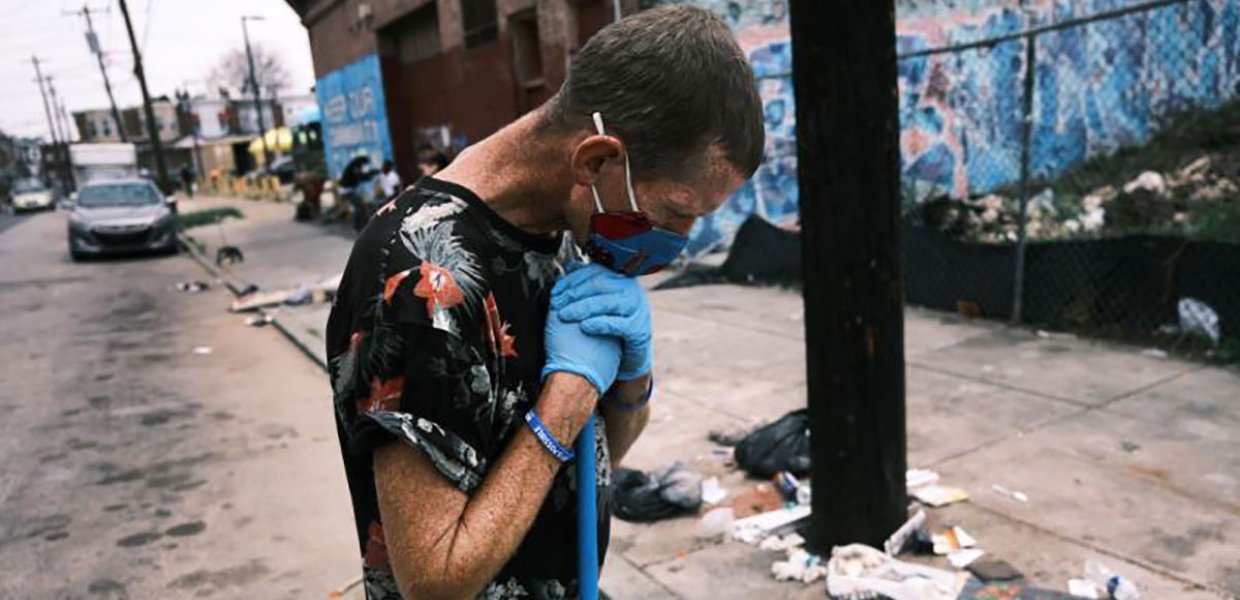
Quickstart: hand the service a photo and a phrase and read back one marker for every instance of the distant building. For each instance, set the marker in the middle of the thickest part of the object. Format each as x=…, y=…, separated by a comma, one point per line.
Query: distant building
x=98, y=126
x=394, y=74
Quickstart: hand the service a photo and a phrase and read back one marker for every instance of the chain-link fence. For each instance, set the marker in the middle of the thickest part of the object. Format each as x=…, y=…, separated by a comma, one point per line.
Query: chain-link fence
x=1079, y=169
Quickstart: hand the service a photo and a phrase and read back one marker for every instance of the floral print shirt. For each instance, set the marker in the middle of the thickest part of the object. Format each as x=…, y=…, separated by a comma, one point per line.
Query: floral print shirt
x=435, y=341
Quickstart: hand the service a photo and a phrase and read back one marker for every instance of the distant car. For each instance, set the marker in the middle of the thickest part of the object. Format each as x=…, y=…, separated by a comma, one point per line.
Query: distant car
x=31, y=195
x=121, y=216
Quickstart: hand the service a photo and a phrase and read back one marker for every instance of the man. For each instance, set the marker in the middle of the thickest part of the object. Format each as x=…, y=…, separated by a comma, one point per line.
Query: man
x=463, y=364
x=389, y=181
x=352, y=182
x=187, y=180
x=430, y=160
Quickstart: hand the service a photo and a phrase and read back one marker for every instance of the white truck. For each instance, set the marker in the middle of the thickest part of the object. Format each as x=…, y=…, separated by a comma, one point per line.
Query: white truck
x=102, y=161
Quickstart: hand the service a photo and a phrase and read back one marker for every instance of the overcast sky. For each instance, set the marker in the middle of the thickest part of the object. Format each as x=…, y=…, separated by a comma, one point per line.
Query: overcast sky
x=181, y=41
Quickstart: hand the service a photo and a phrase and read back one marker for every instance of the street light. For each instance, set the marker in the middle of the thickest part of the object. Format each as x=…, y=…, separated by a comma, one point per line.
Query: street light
x=258, y=107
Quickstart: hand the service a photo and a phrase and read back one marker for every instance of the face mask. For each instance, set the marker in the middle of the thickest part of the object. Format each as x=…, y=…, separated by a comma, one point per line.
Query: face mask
x=628, y=242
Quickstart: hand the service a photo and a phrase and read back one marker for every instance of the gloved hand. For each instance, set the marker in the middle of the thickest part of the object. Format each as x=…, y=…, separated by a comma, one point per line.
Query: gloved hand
x=593, y=357
x=610, y=304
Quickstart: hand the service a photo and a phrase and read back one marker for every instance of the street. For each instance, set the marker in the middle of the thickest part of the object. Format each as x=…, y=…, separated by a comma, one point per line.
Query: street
x=137, y=464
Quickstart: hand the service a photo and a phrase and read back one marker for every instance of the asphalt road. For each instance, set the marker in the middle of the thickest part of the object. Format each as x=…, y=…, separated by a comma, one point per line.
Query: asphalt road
x=136, y=467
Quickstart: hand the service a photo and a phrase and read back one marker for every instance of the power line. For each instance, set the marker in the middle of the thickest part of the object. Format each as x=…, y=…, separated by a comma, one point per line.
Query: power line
x=92, y=40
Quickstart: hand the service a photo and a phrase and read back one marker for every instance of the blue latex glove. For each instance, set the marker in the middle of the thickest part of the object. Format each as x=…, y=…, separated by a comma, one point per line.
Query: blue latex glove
x=610, y=304
x=594, y=357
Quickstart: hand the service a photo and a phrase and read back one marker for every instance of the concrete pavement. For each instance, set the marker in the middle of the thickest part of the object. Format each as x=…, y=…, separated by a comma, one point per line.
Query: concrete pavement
x=1130, y=460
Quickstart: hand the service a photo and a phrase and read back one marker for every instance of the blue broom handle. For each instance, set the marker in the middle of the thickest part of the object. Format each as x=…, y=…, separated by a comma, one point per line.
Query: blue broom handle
x=587, y=515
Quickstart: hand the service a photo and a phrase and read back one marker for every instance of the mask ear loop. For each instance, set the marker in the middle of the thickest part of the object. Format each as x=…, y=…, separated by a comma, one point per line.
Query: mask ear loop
x=628, y=171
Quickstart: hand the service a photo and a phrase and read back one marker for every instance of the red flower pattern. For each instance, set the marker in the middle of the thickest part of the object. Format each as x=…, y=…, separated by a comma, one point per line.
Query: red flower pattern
x=393, y=282
x=438, y=287
x=384, y=395
x=496, y=333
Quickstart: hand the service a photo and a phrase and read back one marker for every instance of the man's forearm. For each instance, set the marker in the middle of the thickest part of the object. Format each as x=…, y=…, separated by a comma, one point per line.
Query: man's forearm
x=624, y=423
x=467, y=547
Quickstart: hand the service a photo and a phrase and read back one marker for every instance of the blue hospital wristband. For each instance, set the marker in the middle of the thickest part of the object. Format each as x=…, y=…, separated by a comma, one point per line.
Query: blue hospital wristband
x=544, y=436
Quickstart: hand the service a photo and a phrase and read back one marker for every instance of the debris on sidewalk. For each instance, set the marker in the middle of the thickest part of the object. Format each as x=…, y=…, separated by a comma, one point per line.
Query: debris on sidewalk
x=1017, y=496
x=1197, y=318
x=202, y=350
x=791, y=488
x=919, y=477
x=951, y=540
x=756, y=528
x=906, y=535
x=1083, y=589
x=762, y=498
x=779, y=446
x=800, y=566
x=260, y=320
x=1154, y=353
x=322, y=291
x=193, y=287
x=1110, y=584
x=994, y=570
x=857, y=572
x=715, y=523
x=936, y=496
x=671, y=491
x=712, y=492
x=963, y=558
x=780, y=543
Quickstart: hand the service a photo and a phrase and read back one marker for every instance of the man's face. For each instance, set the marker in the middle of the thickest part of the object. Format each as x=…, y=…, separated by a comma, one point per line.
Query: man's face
x=674, y=205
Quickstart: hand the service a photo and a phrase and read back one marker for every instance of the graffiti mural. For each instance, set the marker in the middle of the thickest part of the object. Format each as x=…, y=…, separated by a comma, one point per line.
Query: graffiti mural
x=1098, y=87
x=354, y=118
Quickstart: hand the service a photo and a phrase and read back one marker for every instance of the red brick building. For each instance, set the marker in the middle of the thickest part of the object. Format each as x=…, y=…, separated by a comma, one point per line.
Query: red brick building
x=393, y=74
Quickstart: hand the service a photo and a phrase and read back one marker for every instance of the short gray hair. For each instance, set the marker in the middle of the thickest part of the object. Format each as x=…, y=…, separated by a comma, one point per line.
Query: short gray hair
x=670, y=82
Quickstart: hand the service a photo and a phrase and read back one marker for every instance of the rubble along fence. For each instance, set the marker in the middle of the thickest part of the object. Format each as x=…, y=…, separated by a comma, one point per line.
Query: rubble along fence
x=1079, y=173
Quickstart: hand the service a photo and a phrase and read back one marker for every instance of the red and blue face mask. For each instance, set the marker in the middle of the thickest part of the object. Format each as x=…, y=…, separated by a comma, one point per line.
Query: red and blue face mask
x=628, y=242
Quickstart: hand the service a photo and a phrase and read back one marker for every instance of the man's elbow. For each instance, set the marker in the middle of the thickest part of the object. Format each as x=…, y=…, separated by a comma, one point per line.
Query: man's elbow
x=435, y=582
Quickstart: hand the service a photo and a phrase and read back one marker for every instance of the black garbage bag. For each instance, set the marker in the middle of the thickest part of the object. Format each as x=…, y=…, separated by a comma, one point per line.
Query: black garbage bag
x=668, y=492
x=780, y=446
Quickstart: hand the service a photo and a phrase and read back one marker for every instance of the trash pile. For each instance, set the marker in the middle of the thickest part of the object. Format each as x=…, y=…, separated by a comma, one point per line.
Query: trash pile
x=773, y=514
x=1184, y=201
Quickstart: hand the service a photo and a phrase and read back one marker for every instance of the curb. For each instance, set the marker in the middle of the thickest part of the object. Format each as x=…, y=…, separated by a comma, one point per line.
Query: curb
x=236, y=285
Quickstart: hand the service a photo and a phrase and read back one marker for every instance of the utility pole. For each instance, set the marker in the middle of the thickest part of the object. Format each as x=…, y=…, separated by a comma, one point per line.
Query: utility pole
x=69, y=125
x=38, y=77
x=92, y=41
x=152, y=126
x=258, y=107
x=60, y=123
x=844, y=77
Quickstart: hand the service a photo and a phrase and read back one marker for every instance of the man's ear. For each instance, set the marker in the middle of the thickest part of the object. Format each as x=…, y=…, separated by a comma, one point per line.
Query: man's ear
x=591, y=154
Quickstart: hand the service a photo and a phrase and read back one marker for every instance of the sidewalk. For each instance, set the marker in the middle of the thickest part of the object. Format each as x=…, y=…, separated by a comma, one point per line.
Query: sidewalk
x=1129, y=460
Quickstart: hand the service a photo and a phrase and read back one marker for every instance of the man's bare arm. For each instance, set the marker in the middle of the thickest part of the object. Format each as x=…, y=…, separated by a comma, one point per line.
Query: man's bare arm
x=624, y=426
x=444, y=544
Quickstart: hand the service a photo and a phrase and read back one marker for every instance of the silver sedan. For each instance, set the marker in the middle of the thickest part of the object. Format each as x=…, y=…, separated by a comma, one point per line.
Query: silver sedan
x=121, y=216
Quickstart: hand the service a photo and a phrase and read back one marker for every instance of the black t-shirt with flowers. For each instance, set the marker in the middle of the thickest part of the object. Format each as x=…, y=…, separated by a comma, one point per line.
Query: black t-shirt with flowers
x=436, y=341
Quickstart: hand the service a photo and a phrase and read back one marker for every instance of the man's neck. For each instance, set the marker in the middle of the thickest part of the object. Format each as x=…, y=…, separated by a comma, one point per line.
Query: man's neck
x=523, y=176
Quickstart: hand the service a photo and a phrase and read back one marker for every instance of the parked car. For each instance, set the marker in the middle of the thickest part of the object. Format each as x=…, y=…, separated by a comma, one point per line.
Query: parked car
x=121, y=215
x=31, y=194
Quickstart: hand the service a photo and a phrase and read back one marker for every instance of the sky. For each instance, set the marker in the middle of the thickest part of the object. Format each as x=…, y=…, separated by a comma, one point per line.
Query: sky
x=181, y=40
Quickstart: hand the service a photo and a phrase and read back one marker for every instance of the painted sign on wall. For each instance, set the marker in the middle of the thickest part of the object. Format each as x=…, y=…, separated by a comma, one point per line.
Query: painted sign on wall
x=354, y=114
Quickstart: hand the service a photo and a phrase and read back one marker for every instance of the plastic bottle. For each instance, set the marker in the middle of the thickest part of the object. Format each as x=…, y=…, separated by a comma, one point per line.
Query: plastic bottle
x=1117, y=586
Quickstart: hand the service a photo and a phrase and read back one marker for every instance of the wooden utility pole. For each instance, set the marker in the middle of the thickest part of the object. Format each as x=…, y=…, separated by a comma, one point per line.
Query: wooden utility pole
x=152, y=126
x=92, y=41
x=844, y=74
x=258, y=103
x=41, y=80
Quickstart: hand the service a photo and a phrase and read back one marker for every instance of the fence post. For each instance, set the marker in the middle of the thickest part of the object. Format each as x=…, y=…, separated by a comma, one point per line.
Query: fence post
x=1026, y=144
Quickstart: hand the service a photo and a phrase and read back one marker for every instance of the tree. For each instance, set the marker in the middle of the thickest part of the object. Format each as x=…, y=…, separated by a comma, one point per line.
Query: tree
x=233, y=71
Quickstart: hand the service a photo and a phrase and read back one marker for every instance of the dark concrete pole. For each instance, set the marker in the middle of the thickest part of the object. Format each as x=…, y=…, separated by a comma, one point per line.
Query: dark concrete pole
x=844, y=74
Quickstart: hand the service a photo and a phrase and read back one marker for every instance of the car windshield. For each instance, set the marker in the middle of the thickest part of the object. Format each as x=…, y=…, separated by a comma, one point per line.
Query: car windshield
x=118, y=194
x=24, y=187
